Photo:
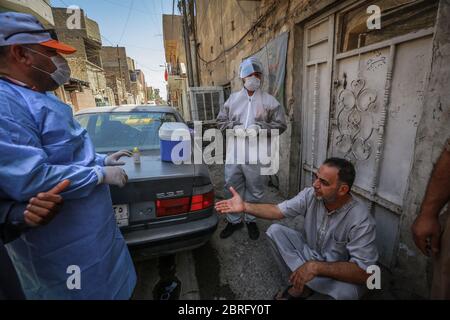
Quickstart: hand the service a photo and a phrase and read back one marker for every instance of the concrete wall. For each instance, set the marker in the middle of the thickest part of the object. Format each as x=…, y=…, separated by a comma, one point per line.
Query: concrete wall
x=41, y=9
x=93, y=30
x=82, y=100
x=413, y=270
x=220, y=25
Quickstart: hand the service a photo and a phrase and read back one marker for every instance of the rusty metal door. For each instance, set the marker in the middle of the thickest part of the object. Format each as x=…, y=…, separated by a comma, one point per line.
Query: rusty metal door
x=374, y=106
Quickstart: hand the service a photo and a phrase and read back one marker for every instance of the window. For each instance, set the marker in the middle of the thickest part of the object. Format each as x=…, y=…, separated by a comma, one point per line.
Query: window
x=84, y=121
x=119, y=131
x=398, y=17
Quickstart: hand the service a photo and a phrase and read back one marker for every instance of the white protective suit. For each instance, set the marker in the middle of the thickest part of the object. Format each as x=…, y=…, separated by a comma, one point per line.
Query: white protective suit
x=241, y=110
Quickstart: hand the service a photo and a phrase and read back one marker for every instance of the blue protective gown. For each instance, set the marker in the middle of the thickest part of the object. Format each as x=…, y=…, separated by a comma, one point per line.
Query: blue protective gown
x=41, y=145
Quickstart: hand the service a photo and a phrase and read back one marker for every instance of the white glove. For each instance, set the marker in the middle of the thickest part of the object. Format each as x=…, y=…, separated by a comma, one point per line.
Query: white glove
x=253, y=130
x=239, y=131
x=115, y=176
x=113, y=160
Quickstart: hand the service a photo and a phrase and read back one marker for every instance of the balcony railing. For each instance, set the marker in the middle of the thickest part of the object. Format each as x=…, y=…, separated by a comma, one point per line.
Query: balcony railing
x=176, y=69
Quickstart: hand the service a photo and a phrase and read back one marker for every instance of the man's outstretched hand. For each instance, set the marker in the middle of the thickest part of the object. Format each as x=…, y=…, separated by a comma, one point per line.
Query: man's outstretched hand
x=43, y=208
x=233, y=205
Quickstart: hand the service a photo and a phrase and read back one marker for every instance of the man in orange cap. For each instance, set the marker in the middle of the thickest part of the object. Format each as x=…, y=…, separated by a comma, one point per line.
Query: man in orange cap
x=81, y=254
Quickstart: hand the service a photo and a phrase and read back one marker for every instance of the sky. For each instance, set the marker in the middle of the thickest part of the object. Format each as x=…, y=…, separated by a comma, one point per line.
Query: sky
x=134, y=24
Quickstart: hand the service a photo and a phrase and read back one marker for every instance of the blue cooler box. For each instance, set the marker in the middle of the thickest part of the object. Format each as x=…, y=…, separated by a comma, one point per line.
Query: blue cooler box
x=172, y=134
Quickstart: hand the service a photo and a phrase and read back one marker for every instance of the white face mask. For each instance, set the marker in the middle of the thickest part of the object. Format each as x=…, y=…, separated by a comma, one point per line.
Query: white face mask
x=62, y=73
x=252, y=84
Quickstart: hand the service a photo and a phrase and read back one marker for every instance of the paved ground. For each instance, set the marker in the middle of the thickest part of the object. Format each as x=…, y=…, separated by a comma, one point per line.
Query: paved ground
x=235, y=268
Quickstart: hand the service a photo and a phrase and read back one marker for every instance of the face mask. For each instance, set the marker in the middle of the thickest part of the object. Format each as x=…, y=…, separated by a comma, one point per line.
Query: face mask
x=252, y=84
x=62, y=72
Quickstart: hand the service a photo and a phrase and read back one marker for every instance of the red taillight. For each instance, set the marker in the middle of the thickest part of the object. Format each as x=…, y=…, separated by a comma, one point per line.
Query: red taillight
x=202, y=201
x=171, y=207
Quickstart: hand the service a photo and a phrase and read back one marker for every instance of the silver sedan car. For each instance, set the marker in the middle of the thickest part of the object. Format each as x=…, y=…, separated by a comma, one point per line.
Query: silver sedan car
x=164, y=208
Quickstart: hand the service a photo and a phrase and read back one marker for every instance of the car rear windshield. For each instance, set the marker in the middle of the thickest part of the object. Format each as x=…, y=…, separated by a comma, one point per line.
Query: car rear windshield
x=117, y=131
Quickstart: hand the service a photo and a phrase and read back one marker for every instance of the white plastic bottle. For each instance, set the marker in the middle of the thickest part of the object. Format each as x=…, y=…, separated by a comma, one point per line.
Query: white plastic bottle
x=137, y=156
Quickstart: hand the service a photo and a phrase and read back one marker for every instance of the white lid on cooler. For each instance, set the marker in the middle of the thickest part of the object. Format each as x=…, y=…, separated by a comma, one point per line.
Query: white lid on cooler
x=178, y=130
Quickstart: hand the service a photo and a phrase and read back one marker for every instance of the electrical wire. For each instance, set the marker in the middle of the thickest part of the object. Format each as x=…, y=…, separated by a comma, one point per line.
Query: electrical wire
x=125, y=6
x=152, y=10
x=107, y=40
x=240, y=8
x=126, y=22
x=223, y=39
x=254, y=26
x=64, y=3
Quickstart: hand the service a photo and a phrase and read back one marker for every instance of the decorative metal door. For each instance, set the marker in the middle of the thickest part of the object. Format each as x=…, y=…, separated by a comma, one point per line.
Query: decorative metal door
x=376, y=105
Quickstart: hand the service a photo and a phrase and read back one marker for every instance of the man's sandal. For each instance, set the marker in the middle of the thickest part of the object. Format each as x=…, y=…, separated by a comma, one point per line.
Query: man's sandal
x=285, y=295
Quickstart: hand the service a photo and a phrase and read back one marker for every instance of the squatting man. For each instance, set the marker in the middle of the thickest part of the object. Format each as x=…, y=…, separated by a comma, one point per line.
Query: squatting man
x=336, y=246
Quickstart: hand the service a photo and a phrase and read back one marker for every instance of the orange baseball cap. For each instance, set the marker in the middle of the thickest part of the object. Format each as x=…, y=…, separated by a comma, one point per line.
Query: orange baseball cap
x=59, y=46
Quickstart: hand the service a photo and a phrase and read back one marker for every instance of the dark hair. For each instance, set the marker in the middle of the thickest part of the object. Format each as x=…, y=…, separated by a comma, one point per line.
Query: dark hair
x=347, y=171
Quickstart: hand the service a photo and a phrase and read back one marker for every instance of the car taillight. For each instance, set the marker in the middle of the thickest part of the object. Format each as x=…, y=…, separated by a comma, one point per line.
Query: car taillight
x=202, y=201
x=171, y=207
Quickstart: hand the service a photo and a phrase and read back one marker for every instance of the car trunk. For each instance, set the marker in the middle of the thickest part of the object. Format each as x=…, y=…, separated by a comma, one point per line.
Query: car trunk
x=149, y=182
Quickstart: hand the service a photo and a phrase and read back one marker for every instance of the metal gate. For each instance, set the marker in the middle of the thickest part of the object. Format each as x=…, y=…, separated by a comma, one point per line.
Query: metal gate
x=364, y=103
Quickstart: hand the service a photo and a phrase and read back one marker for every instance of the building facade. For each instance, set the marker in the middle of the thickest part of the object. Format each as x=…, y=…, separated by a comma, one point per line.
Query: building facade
x=88, y=87
x=118, y=75
x=176, y=64
x=141, y=92
x=41, y=9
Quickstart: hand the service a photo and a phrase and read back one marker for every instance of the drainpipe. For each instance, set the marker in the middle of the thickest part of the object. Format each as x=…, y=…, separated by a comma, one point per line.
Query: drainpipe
x=187, y=44
x=193, y=40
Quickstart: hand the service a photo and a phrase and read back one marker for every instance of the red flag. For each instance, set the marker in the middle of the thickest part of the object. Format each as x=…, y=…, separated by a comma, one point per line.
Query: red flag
x=166, y=75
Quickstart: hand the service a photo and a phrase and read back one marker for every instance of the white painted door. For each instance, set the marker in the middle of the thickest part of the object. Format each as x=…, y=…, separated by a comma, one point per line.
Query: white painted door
x=318, y=58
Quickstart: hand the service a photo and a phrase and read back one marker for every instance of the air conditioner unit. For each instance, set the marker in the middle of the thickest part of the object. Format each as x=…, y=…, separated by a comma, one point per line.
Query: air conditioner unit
x=206, y=103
